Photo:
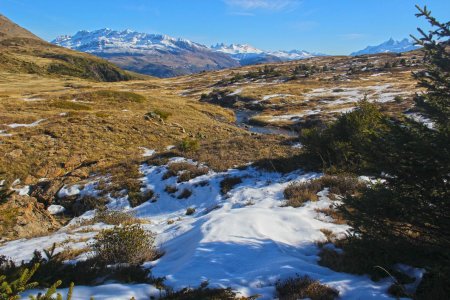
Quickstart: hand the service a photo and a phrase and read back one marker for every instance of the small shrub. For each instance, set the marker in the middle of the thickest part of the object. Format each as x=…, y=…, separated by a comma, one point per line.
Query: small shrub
x=115, y=217
x=190, y=211
x=129, y=244
x=136, y=198
x=186, y=193
x=333, y=213
x=174, y=168
x=330, y=235
x=185, y=171
x=342, y=184
x=298, y=193
x=189, y=145
x=171, y=189
x=304, y=287
x=398, y=99
x=162, y=114
x=193, y=173
x=227, y=184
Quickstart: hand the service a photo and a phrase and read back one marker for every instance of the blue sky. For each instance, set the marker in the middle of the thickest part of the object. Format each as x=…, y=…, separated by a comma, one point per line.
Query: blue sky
x=328, y=26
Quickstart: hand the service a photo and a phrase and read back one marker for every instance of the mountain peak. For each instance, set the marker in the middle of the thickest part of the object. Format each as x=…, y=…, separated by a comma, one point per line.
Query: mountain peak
x=107, y=40
x=390, y=46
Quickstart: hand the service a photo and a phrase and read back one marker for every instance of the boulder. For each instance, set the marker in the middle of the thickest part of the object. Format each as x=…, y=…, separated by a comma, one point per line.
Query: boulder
x=25, y=217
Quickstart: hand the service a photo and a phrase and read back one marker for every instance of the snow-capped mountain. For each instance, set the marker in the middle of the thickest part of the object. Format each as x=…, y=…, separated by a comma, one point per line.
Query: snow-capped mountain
x=152, y=54
x=294, y=54
x=246, y=53
x=165, y=56
x=389, y=46
x=235, y=49
x=112, y=41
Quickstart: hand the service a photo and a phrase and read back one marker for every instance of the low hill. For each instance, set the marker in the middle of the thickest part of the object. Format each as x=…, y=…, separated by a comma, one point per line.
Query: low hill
x=23, y=52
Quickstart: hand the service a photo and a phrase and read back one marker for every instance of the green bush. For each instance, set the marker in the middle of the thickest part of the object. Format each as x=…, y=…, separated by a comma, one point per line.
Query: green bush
x=129, y=244
x=10, y=289
x=344, y=145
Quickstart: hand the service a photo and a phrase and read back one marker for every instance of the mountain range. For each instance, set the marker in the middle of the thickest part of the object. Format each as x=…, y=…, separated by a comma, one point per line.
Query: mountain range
x=165, y=56
x=390, y=46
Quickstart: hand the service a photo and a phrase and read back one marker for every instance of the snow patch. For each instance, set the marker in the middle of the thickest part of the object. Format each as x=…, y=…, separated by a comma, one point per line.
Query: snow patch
x=34, y=124
x=55, y=209
x=147, y=152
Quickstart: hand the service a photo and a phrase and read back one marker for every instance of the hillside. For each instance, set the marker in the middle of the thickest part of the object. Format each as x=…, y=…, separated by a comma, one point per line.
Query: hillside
x=22, y=51
x=206, y=163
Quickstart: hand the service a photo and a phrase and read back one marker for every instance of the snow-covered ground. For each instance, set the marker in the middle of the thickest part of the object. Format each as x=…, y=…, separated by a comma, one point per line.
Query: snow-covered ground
x=421, y=119
x=339, y=100
x=245, y=239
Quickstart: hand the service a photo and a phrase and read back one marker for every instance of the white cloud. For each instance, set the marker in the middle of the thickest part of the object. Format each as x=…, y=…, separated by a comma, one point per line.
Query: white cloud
x=274, y=5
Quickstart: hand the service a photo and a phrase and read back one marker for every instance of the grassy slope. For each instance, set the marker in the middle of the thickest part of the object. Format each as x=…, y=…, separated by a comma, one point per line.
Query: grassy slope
x=23, y=52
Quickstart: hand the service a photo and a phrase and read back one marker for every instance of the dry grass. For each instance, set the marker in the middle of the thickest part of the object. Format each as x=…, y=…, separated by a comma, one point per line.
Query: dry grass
x=333, y=213
x=71, y=253
x=116, y=217
x=227, y=184
x=298, y=193
x=185, y=193
x=185, y=171
x=304, y=287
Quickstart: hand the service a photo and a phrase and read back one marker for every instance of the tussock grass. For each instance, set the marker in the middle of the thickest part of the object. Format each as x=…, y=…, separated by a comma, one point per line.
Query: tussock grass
x=185, y=171
x=304, y=287
x=69, y=105
x=227, y=184
x=298, y=193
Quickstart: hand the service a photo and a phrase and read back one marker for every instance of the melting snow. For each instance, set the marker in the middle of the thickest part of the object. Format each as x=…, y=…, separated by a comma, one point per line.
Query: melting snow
x=3, y=133
x=421, y=119
x=236, y=92
x=268, y=97
x=55, y=209
x=245, y=239
x=147, y=152
x=15, y=125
